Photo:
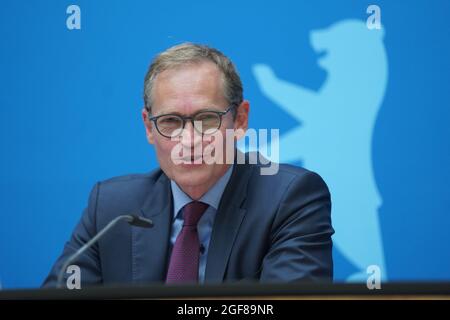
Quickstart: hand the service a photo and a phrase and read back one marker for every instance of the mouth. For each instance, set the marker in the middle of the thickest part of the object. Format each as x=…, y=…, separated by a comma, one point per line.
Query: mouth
x=321, y=54
x=317, y=44
x=191, y=160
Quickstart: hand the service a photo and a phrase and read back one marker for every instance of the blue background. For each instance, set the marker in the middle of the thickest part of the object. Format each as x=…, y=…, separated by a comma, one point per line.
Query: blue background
x=70, y=106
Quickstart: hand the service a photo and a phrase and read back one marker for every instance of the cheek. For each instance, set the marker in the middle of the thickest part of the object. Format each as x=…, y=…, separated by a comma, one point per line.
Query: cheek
x=164, y=150
x=222, y=140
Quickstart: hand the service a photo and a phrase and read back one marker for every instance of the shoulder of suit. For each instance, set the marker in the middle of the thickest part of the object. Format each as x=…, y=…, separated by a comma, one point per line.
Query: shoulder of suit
x=137, y=178
x=286, y=171
x=288, y=175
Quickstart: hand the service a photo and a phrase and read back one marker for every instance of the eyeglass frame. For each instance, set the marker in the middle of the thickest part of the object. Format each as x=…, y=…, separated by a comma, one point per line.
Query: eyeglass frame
x=154, y=119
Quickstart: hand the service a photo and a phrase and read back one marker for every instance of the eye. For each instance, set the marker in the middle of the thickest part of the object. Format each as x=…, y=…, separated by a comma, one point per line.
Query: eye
x=207, y=116
x=169, y=119
x=169, y=122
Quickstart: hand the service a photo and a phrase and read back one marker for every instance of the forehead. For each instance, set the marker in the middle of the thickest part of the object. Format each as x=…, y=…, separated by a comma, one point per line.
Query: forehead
x=188, y=88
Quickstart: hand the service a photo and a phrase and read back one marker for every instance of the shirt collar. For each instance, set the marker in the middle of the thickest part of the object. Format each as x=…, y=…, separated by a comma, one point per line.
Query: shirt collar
x=211, y=197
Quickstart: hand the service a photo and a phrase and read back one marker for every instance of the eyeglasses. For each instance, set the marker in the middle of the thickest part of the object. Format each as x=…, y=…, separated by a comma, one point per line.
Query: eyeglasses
x=204, y=122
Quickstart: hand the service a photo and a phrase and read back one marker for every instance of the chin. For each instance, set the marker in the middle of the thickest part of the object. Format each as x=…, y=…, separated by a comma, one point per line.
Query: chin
x=192, y=175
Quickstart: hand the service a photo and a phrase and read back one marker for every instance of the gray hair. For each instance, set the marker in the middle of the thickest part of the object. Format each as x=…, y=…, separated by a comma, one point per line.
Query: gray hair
x=188, y=53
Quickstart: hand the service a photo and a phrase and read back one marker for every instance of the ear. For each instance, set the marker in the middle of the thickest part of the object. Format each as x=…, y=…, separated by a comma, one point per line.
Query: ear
x=148, y=127
x=241, y=121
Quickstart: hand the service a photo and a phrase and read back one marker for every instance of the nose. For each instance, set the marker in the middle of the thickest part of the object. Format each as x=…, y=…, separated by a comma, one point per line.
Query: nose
x=189, y=136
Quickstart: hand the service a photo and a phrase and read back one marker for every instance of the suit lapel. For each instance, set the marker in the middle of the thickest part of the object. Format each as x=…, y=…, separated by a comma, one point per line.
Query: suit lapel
x=150, y=246
x=227, y=222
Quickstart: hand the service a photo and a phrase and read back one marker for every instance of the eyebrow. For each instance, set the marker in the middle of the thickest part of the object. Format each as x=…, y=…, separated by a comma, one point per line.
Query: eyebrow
x=192, y=114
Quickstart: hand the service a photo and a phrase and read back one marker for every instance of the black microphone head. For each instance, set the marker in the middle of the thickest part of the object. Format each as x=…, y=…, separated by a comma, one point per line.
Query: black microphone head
x=140, y=221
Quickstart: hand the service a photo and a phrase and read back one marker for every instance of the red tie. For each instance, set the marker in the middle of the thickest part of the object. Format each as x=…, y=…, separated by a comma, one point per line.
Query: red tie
x=183, y=265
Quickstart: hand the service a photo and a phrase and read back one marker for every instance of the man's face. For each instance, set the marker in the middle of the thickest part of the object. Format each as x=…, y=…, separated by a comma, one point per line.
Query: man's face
x=186, y=90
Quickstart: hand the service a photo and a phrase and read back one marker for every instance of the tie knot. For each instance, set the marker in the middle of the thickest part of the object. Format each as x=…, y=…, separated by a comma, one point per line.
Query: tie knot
x=192, y=212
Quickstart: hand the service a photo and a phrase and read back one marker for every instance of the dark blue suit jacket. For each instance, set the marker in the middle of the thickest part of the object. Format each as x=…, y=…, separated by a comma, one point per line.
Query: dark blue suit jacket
x=273, y=228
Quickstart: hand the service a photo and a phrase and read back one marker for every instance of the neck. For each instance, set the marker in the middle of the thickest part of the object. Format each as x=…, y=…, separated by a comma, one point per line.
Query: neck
x=196, y=192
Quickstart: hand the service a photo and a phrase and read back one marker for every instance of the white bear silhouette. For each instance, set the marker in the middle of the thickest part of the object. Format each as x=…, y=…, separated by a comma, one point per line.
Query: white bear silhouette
x=334, y=137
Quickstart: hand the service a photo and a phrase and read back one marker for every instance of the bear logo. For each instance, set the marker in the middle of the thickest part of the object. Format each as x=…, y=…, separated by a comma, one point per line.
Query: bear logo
x=334, y=135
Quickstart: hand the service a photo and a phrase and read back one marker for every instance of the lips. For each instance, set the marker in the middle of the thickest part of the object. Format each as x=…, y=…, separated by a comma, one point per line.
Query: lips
x=320, y=54
x=191, y=159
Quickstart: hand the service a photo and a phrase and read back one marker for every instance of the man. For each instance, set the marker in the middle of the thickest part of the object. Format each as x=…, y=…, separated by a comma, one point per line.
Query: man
x=218, y=221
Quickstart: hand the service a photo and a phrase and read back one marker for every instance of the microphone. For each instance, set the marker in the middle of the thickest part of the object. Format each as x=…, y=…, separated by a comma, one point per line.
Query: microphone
x=131, y=219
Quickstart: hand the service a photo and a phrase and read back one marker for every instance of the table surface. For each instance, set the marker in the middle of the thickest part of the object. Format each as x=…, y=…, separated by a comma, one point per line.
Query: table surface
x=429, y=290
